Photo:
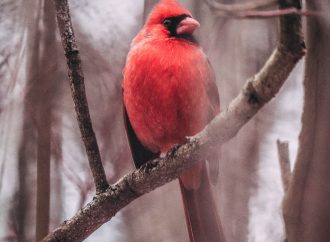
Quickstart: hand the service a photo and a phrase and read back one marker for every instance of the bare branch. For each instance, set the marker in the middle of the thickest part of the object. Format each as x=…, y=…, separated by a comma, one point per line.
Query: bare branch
x=78, y=93
x=283, y=154
x=258, y=90
x=250, y=10
x=239, y=7
x=253, y=14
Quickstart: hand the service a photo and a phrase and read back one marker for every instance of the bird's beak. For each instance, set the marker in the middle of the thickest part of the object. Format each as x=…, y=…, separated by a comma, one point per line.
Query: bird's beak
x=187, y=26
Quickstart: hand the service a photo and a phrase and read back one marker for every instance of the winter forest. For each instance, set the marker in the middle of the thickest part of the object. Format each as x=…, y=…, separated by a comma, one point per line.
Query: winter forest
x=274, y=167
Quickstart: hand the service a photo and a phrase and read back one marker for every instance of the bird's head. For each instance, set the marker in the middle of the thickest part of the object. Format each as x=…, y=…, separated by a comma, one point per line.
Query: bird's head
x=170, y=19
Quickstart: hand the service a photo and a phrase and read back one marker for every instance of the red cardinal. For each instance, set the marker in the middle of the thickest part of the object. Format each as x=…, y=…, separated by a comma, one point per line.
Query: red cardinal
x=169, y=93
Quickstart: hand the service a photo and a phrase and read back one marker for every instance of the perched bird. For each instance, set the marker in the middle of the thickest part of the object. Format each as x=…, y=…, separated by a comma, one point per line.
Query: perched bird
x=169, y=93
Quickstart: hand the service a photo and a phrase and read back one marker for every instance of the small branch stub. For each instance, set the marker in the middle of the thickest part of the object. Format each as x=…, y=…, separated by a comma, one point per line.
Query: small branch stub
x=284, y=160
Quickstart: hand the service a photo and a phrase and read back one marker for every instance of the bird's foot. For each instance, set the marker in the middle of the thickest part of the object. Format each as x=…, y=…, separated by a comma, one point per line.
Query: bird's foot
x=150, y=165
x=173, y=150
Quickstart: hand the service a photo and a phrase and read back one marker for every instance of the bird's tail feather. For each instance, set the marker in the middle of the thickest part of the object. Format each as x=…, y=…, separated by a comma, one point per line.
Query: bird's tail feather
x=201, y=213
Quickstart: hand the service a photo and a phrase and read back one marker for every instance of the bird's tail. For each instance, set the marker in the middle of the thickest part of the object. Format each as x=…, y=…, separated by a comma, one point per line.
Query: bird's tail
x=201, y=213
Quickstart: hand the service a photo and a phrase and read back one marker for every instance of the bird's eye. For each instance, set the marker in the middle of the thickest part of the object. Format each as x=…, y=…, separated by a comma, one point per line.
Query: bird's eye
x=167, y=22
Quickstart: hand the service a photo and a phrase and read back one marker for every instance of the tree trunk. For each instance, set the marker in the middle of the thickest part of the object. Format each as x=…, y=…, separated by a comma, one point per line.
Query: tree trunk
x=306, y=207
x=34, y=155
x=26, y=153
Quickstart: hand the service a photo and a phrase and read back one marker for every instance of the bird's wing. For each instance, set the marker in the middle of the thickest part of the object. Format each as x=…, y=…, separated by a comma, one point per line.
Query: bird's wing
x=140, y=153
x=213, y=95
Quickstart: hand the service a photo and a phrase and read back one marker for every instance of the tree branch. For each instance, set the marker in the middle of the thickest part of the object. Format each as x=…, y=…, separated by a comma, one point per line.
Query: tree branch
x=79, y=95
x=250, y=10
x=239, y=7
x=254, y=14
x=258, y=90
x=284, y=160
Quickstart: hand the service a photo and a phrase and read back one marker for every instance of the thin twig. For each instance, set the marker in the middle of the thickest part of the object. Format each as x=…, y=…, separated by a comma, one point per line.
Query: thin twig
x=284, y=160
x=79, y=95
x=253, y=14
x=250, y=10
x=239, y=7
x=256, y=93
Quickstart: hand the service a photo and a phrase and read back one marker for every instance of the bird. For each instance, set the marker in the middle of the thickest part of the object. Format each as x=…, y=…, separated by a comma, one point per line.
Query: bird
x=169, y=93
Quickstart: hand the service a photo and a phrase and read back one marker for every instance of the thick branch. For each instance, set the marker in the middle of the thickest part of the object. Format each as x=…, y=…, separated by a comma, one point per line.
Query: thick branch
x=284, y=160
x=79, y=95
x=258, y=91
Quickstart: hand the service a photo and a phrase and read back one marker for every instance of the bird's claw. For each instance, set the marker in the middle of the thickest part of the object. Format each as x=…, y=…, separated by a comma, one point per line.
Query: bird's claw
x=150, y=165
x=173, y=150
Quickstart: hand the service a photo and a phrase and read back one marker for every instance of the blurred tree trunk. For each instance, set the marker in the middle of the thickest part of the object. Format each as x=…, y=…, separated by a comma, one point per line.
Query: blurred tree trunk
x=26, y=153
x=47, y=79
x=42, y=85
x=306, y=206
x=56, y=201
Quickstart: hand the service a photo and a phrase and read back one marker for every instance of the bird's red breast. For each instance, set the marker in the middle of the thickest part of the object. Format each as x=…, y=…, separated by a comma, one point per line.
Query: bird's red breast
x=165, y=91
